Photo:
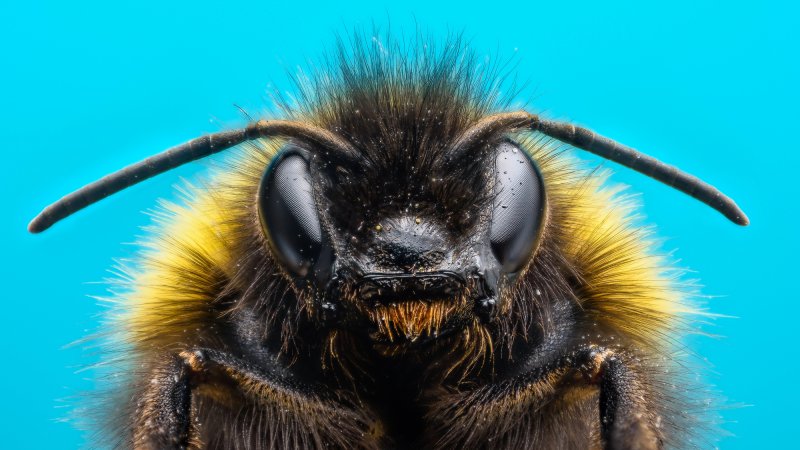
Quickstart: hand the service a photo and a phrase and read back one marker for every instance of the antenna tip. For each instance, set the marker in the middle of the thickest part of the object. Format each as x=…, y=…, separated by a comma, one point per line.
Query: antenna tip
x=38, y=224
x=741, y=219
x=736, y=215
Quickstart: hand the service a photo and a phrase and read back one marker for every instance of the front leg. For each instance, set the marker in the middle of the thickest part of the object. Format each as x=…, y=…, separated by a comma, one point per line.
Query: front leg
x=555, y=406
x=301, y=414
x=626, y=422
x=162, y=418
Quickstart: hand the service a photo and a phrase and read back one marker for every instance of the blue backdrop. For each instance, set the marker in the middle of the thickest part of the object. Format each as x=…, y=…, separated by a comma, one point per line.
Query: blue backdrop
x=87, y=87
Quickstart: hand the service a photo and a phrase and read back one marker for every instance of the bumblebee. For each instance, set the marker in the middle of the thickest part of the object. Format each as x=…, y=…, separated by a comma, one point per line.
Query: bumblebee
x=399, y=261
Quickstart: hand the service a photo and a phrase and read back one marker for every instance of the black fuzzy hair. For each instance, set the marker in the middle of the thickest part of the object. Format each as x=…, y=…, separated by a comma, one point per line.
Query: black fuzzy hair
x=402, y=104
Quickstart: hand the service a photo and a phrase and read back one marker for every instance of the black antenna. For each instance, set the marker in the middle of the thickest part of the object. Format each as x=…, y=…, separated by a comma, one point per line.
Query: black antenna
x=182, y=154
x=481, y=132
x=489, y=127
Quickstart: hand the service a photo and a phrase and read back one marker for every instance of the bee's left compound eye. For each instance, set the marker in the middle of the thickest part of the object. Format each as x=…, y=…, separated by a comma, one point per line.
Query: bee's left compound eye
x=518, y=207
x=288, y=211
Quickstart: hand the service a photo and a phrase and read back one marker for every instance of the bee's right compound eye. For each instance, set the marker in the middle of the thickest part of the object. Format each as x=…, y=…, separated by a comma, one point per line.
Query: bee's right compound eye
x=518, y=208
x=288, y=211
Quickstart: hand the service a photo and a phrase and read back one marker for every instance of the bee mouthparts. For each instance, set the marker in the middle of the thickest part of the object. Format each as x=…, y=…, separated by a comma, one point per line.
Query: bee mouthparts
x=396, y=287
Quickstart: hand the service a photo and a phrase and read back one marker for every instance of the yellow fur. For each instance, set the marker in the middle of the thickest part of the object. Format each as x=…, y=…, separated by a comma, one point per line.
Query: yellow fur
x=630, y=287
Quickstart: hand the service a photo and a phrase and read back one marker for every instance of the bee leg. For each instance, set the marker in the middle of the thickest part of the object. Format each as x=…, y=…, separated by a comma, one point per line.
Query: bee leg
x=625, y=420
x=520, y=412
x=164, y=416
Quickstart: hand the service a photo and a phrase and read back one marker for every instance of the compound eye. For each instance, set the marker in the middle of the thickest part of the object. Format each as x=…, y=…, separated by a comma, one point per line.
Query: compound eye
x=288, y=211
x=518, y=207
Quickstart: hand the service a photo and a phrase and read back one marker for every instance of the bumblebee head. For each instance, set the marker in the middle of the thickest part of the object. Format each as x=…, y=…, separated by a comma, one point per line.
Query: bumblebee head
x=400, y=206
x=403, y=240
x=404, y=249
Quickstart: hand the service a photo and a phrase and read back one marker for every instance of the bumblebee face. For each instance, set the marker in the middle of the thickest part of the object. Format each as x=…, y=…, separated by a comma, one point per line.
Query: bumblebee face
x=405, y=255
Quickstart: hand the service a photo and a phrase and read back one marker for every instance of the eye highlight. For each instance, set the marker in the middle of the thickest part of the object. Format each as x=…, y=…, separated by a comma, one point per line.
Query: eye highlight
x=288, y=211
x=517, y=209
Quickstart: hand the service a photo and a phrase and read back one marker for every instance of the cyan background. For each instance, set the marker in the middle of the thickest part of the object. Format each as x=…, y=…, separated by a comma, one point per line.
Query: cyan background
x=88, y=87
